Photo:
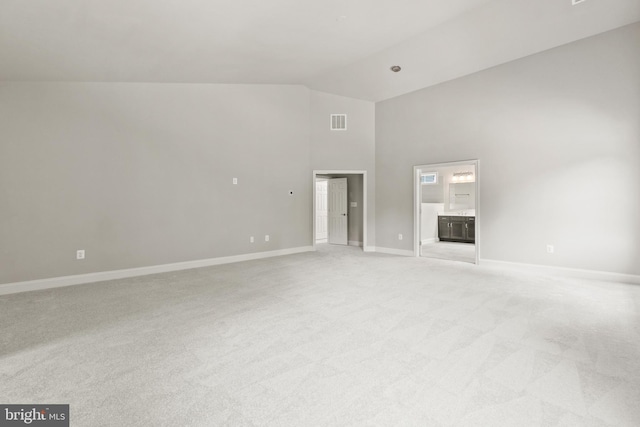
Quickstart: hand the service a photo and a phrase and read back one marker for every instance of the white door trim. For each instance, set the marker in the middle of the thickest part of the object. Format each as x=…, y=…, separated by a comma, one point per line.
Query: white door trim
x=321, y=217
x=417, y=201
x=365, y=204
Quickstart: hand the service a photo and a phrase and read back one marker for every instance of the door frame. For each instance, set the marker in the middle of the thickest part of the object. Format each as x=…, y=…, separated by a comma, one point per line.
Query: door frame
x=315, y=174
x=417, y=202
x=315, y=214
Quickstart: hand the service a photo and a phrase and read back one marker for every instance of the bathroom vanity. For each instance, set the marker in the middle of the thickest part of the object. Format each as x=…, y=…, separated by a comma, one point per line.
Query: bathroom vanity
x=457, y=228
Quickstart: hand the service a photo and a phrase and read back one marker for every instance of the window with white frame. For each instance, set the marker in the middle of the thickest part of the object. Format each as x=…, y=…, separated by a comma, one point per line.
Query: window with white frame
x=429, y=178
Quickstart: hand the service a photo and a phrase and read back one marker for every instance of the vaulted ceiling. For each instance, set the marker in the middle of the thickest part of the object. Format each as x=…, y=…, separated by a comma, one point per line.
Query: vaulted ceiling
x=338, y=46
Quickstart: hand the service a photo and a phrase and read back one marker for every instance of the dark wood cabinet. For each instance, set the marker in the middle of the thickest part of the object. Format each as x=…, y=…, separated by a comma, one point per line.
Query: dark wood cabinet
x=457, y=229
x=443, y=228
x=471, y=229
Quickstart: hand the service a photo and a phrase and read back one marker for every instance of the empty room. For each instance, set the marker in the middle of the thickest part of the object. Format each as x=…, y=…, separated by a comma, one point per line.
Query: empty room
x=342, y=213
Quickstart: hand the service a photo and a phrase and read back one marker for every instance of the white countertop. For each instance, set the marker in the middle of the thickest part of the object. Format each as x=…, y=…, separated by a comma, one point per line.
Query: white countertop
x=471, y=212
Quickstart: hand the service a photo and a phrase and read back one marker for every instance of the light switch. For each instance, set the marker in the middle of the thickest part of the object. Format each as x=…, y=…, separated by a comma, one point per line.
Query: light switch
x=235, y=181
x=354, y=204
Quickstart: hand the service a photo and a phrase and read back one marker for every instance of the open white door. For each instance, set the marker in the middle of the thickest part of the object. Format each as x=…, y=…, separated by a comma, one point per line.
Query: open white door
x=338, y=230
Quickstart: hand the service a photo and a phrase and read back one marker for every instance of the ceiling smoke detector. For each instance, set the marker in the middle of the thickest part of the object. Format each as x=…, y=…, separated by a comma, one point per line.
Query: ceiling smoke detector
x=395, y=68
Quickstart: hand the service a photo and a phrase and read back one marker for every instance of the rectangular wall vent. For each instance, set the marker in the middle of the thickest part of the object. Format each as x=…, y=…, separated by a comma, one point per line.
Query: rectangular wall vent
x=338, y=122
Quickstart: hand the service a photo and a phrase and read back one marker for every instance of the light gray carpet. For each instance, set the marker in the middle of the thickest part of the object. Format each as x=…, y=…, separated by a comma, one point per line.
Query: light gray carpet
x=453, y=251
x=333, y=338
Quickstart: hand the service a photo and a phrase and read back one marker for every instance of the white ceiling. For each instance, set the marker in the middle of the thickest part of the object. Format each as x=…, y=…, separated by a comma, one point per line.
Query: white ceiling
x=338, y=46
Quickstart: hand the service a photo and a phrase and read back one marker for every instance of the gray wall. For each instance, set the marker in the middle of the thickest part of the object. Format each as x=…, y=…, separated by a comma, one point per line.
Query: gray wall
x=558, y=139
x=353, y=149
x=141, y=174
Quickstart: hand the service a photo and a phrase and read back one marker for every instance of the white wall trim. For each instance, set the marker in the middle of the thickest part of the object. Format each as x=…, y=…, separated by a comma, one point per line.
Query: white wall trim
x=79, y=279
x=368, y=248
x=355, y=243
x=575, y=273
x=392, y=251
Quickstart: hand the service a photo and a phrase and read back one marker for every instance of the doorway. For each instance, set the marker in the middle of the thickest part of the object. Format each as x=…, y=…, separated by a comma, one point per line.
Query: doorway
x=339, y=208
x=446, y=211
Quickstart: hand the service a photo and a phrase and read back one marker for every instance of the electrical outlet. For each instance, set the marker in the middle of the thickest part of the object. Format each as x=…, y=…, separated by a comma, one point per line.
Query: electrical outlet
x=399, y=236
x=80, y=254
x=550, y=249
x=251, y=239
x=266, y=238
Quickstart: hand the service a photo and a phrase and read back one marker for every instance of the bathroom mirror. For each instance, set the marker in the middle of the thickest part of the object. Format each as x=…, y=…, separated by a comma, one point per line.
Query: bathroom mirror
x=462, y=195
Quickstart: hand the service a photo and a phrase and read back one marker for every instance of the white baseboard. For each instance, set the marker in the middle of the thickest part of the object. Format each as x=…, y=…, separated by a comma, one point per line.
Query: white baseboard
x=322, y=240
x=428, y=241
x=369, y=249
x=355, y=243
x=575, y=273
x=392, y=251
x=79, y=279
